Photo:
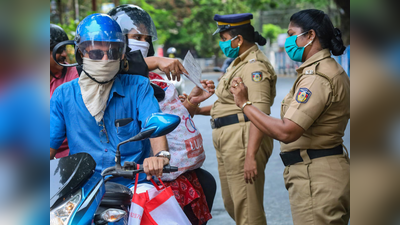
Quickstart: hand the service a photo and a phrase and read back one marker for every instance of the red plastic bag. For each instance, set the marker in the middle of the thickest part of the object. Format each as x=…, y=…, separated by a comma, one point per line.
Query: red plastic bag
x=156, y=206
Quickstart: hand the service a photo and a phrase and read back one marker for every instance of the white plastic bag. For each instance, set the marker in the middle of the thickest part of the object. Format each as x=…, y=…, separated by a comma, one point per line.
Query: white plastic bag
x=185, y=142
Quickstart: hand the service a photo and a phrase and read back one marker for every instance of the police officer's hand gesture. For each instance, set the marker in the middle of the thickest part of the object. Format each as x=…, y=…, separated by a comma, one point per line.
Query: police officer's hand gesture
x=239, y=91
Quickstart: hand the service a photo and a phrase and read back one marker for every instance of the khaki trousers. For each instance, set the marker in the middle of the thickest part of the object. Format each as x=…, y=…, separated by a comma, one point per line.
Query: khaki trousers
x=319, y=190
x=243, y=202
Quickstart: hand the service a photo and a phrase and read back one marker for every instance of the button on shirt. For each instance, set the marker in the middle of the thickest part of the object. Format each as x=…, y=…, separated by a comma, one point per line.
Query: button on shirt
x=130, y=97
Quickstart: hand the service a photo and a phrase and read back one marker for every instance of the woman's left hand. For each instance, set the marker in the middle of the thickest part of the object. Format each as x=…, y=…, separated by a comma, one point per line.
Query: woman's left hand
x=183, y=97
x=250, y=170
x=239, y=91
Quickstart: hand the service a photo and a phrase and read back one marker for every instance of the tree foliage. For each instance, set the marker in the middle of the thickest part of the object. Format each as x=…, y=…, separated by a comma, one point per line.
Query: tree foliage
x=189, y=24
x=271, y=31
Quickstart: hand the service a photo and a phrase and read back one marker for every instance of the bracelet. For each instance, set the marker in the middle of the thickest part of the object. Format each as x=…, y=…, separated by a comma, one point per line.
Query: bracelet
x=187, y=99
x=245, y=104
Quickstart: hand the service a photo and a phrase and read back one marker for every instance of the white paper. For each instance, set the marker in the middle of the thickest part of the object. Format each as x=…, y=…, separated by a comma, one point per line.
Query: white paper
x=194, y=70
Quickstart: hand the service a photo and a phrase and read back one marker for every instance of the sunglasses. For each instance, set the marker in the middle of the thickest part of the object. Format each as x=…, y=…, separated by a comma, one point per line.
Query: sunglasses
x=97, y=54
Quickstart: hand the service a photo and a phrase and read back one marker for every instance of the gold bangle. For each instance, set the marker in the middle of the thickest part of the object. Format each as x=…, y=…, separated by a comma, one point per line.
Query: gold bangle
x=187, y=99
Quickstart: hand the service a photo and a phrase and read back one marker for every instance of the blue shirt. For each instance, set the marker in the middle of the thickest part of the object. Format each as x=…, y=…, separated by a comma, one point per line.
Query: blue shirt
x=130, y=97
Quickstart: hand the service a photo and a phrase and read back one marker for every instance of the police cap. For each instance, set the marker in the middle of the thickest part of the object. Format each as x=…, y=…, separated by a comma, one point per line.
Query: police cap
x=226, y=22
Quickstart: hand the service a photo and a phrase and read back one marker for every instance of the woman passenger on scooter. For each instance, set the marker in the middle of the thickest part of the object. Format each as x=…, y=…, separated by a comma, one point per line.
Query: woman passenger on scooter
x=185, y=142
x=141, y=32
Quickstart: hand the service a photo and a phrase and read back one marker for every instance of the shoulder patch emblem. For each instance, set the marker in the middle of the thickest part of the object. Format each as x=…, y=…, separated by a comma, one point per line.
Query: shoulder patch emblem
x=303, y=95
x=309, y=72
x=256, y=76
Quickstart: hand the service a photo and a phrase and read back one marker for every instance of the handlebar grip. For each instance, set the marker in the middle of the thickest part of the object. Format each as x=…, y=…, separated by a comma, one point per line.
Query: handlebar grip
x=167, y=168
x=170, y=169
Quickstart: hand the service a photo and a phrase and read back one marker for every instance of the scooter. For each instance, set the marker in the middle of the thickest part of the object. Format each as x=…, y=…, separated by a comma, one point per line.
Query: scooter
x=81, y=196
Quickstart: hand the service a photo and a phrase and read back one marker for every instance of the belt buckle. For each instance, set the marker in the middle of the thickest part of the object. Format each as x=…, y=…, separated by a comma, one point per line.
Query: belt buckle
x=212, y=123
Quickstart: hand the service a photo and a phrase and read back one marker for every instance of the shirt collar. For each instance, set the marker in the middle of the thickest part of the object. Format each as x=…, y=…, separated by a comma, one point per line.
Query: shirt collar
x=117, y=88
x=324, y=53
x=245, y=54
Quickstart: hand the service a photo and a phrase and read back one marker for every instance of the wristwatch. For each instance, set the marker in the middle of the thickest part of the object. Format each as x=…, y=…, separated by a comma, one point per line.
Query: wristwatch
x=164, y=154
x=246, y=103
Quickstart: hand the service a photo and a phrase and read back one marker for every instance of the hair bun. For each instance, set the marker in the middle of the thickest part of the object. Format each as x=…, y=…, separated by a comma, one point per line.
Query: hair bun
x=259, y=39
x=337, y=46
x=337, y=33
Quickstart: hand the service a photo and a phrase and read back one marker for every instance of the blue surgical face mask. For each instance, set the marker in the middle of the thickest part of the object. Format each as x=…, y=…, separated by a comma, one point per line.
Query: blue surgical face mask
x=227, y=48
x=293, y=50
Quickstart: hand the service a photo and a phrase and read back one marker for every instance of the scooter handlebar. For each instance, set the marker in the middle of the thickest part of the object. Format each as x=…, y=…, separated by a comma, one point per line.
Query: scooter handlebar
x=131, y=173
x=166, y=169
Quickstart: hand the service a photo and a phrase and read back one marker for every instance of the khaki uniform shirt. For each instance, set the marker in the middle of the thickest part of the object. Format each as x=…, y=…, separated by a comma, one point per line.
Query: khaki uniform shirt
x=257, y=74
x=319, y=102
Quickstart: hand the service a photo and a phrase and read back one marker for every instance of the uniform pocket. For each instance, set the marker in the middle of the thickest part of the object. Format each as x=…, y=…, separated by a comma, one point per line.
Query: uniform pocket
x=232, y=149
x=297, y=183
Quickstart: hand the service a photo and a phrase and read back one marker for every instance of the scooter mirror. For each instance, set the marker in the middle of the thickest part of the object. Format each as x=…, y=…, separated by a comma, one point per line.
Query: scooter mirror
x=156, y=125
x=59, y=45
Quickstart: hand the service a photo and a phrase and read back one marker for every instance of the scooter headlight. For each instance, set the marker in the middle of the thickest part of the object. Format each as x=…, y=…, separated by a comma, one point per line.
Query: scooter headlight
x=62, y=214
x=113, y=215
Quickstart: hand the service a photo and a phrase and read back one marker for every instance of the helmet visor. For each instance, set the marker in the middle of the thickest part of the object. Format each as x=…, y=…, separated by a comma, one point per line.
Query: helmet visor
x=102, y=50
x=138, y=22
x=106, y=39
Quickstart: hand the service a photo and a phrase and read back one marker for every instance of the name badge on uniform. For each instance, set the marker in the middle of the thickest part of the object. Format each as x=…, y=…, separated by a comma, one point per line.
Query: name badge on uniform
x=256, y=76
x=303, y=95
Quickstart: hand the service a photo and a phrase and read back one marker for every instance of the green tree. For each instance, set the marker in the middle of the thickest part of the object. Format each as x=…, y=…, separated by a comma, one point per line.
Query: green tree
x=271, y=32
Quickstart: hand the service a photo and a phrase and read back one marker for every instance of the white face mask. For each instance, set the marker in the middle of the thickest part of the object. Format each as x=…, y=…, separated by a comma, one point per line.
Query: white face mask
x=143, y=46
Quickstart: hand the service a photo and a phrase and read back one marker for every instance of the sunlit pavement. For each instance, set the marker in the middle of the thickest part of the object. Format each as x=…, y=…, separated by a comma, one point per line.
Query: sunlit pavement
x=276, y=199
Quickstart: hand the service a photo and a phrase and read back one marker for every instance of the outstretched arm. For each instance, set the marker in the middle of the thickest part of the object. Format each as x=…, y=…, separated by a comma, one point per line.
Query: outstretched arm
x=197, y=96
x=280, y=129
x=167, y=65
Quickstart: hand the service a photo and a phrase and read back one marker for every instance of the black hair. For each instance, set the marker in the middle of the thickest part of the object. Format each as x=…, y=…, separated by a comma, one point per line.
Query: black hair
x=329, y=36
x=248, y=34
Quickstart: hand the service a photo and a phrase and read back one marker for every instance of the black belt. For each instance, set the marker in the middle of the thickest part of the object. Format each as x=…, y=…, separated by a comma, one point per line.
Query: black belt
x=293, y=157
x=226, y=120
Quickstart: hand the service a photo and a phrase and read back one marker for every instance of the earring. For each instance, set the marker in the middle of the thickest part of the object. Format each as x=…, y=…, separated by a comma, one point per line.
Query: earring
x=126, y=65
x=239, y=45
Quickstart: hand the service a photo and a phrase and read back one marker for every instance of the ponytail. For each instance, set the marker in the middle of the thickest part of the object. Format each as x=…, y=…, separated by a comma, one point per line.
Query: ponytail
x=259, y=39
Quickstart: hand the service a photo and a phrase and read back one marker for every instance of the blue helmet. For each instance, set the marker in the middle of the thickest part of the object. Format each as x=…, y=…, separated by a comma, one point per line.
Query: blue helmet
x=99, y=28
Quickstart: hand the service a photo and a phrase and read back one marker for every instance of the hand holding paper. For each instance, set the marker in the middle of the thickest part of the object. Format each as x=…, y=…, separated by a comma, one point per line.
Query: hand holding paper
x=197, y=95
x=194, y=71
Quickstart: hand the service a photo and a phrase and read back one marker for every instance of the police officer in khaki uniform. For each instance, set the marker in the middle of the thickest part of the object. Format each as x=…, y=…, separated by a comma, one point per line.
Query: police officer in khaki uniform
x=242, y=150
x=314, y=116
